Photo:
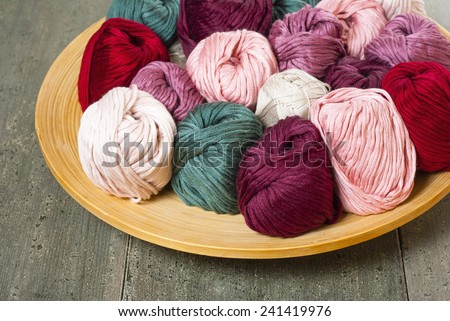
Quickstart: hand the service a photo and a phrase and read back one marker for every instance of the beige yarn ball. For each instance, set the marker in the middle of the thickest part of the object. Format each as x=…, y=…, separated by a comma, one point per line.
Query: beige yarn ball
x=288, y=93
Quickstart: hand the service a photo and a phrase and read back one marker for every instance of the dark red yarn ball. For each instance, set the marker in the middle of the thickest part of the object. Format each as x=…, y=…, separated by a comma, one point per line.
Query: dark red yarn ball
x=285, y=184
x=354, y=72
x=200, y=19
x=114, y=55
x=421, y=92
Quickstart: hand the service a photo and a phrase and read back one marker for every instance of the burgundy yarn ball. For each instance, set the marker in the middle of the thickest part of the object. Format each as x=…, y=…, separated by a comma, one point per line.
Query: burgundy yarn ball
x=171, y=85
x=200, y=19
x=410, y=37
x=285, y=184
x=114, y=55
x=421, y=92
x=309, y=40
x=354, y=72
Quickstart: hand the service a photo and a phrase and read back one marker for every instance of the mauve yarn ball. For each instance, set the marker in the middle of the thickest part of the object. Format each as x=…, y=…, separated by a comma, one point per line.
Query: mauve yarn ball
x=114, y=55
x=421, y=92
x=362, y=21
x=285, y=184
x=171, y=85
x=282, y=7
x=410, y=37
x=125, y=144
x=208, y=149
x=159, y=15
x=200, y=19
x=309, y=39
x=395, y=7
x=232, y=66
x=373, y=157
x=288, y=93
x=354, y=72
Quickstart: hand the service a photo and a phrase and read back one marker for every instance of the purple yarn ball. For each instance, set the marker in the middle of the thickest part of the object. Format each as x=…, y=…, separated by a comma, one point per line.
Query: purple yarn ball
x=285, y=183
x=354, y=72
x=309, y=39
x=410, y=37
x=171, y=85
x=200, y=19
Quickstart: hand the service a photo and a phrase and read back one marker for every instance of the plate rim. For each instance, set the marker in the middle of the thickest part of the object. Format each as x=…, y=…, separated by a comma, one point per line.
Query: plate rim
x=206, y=249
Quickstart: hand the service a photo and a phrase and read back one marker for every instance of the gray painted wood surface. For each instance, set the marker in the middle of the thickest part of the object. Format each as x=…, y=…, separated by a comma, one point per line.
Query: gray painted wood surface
x=53, y=249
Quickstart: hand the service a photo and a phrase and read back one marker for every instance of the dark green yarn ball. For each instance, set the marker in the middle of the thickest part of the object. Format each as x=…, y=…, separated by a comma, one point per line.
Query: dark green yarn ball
x=208, y=149
x=159, y=15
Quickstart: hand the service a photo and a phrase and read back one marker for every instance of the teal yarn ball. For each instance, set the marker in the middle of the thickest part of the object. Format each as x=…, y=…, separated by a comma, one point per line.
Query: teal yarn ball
x=208, y=149
x=159, y=15
x=282, y=7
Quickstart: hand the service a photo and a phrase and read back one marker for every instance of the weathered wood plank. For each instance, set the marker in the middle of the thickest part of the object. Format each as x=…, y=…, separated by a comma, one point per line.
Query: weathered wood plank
x=50, y=248
x=369, y=271
x=426, y=248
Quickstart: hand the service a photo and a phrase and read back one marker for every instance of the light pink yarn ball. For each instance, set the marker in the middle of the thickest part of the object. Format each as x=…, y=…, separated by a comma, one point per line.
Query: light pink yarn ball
x=362, y=21
x=232, y=66
x=373, y=157
x=125, y=144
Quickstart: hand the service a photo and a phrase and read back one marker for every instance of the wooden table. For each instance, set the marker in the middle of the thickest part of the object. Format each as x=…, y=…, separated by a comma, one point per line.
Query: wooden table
x=53, y=249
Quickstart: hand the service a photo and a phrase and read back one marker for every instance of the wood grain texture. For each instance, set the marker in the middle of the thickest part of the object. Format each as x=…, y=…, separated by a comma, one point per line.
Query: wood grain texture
x=50, y=247
x=426, y=248
x=368, y=271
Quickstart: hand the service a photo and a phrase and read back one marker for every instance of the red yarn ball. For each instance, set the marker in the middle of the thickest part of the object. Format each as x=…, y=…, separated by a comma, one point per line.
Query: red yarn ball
x=114, y=55
x=421, y=92
x=285, y=184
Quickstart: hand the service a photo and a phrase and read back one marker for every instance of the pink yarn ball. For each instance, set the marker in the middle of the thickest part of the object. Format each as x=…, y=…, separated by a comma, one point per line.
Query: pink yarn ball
x=362, y=21
x=309, y=40
x=171, y=85
x=410, y=37
x=373, y=157
x=232, y=66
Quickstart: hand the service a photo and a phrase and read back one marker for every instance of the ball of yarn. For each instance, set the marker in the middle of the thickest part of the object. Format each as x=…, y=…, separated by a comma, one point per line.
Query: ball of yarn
x=282, y=7
x=309, y=39
x=285, y=184
x=125, y=144
x=421, y=92
x=200, y=19
x=171, y=85
x=232, y=66
x=395, y=7
x=410, y=37
x=114, y=55
x=159, y=15
x=208, y=149
x=373, y=157
x=362, y=21
x=288, y=93
x=354, y=72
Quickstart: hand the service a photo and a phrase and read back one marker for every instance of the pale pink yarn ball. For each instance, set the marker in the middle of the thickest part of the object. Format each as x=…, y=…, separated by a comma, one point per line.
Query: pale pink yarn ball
x=232, y=66
x=125, y=144
x=362, y=21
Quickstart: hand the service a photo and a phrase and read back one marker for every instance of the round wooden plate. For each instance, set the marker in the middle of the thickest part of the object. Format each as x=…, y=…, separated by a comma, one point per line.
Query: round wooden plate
x=165, y=220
